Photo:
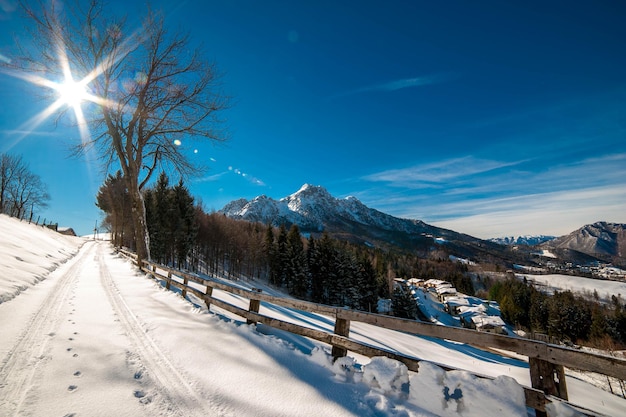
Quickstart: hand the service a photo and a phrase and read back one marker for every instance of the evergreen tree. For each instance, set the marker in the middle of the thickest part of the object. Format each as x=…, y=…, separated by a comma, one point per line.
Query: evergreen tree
x=271, y=251
x=281, y=256
x=159, y=218
x=403, y=304
x=367, y=284
x=296, y=268
x=314, y=268
x=113, y=199
x=184, y=224
x=320, y=257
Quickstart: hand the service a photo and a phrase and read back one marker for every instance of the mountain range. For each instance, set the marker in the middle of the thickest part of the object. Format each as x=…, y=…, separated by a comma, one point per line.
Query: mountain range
x=529, y=240
x=314, y=210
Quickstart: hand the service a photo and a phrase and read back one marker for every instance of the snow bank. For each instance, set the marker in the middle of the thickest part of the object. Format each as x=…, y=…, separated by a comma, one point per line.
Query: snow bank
x=29, y=253
x=390, y=389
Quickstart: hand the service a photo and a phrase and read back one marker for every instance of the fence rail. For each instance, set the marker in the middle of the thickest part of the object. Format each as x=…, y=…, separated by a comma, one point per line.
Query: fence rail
x=546, y=361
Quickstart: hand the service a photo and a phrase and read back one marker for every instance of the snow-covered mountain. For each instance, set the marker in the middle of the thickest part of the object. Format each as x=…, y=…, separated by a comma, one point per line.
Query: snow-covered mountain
x=529, y=240
x=597, y=239
x=314, y=209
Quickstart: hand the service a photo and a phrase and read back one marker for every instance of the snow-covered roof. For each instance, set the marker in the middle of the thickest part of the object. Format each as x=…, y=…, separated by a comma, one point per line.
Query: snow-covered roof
x=485, y=321
x=435, y=282
x=457, y=301
x=446, y=290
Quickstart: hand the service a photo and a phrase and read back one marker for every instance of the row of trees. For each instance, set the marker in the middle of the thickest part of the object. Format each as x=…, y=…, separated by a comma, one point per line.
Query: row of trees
x=171, y=219
x=182, y=234
x=563, y=314
x=170, y=214
x=22, y=192
x=323, y=270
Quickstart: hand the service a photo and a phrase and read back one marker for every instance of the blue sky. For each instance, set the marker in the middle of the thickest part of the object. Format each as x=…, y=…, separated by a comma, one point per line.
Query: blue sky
x=490, y=118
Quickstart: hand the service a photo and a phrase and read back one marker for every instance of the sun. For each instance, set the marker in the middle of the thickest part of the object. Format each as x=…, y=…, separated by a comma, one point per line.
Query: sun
x=72, y=93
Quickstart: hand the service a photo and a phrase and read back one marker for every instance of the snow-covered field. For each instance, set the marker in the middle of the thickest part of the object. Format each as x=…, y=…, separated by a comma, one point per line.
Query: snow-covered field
x=582, y=285
x=93, y=337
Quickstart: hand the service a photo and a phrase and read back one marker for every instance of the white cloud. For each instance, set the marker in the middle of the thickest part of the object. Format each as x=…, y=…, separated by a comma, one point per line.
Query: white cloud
x=399, y=84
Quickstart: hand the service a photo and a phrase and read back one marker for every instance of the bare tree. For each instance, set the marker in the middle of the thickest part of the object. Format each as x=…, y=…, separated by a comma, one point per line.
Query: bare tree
x=21, y=191
x=9, y=165
x=151, y=91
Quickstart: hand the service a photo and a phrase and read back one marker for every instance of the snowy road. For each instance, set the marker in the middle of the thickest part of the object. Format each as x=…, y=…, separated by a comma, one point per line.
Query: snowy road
x=83, y=344
x=97, y=339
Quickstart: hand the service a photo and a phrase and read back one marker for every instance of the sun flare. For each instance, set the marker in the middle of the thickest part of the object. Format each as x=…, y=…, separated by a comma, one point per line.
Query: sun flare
x=72, y=93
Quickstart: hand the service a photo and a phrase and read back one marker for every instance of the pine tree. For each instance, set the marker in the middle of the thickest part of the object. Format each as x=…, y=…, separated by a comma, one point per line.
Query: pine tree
x=403, y=304
x=271, y=251
x=159, y=219
x=296, y=273
x=184, y=222
x=314, y=268
x=113, y=199
x=367, y=284
x=281, y=256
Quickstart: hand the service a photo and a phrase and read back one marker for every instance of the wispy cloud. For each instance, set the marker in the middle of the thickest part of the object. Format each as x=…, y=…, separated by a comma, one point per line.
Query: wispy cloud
x=438, y=173
x=555, y=213
x=488, y=198
x=400, y=84
x=29, y=133
x=212, y=178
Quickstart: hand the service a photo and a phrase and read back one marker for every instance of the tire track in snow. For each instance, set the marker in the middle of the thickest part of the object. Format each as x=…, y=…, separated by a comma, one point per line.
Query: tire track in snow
x=19, y=367
x=178, y=397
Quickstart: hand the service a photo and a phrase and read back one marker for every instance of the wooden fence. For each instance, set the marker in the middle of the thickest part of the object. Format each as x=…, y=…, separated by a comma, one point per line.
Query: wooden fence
x=546, y=361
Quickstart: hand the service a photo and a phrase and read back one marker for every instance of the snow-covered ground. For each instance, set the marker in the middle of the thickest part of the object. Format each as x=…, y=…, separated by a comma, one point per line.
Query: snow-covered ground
x=96, y=338
x=582, y=285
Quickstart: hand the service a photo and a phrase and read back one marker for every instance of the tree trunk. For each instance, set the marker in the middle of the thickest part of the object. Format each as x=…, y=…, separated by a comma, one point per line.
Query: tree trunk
x=138, y=214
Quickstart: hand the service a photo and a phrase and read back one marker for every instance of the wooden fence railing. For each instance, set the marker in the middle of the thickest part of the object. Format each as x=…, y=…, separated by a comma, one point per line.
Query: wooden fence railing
x=546, y=361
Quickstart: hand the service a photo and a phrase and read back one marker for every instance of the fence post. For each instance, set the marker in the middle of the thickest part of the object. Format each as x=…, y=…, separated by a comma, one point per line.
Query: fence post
x=207, y=297
x=549, y=378
x=168, y=280
x=342, y=328
x=185, y=282
x=254, y=306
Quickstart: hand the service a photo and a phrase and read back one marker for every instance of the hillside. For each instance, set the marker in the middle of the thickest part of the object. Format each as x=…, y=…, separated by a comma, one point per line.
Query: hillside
x=605, y=241
x=116, y=343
